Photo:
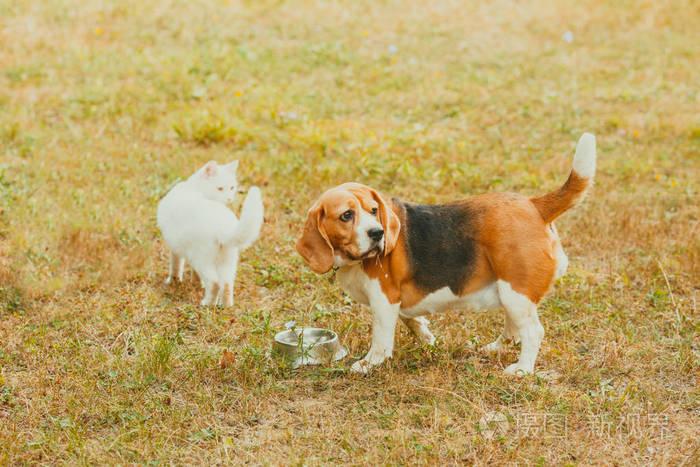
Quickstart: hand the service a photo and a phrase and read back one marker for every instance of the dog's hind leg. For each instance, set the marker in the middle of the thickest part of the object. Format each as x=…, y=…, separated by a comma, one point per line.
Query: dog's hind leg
x=523, y=315
x=559, y=255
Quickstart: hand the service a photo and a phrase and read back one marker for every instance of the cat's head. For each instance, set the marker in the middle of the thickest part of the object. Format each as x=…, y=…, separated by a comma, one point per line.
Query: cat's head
x=217, y=182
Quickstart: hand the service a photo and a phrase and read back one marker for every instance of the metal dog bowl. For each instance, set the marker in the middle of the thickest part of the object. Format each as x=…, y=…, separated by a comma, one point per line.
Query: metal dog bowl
x=308, y=346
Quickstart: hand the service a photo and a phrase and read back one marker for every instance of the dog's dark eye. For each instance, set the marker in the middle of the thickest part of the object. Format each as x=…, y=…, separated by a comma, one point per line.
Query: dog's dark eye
x=347, y=215
x=374, y=211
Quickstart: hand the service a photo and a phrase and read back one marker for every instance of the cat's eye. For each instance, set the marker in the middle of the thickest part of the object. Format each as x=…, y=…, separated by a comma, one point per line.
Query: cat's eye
x=374, y=211
x=347, y=215
x=220, y=188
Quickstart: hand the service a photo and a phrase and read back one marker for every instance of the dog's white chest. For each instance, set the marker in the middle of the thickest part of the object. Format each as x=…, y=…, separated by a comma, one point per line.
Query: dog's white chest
x=354, y=282
x=441, y=299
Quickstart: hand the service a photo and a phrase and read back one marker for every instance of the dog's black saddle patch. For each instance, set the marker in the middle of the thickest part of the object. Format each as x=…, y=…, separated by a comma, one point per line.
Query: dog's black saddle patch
x=441, y=244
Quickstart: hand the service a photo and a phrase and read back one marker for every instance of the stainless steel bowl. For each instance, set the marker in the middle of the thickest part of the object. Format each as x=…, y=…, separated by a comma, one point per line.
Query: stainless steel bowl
x=308, y=346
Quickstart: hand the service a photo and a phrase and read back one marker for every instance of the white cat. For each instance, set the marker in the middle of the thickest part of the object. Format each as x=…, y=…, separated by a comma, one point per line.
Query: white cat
x=199, y=228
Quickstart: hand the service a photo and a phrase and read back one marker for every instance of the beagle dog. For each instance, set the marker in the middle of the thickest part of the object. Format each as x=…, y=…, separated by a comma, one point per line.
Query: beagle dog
x=407, y=260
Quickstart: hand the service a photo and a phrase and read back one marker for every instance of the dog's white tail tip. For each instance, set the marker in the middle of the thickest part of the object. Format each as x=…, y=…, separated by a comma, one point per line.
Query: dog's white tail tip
x=585, y=157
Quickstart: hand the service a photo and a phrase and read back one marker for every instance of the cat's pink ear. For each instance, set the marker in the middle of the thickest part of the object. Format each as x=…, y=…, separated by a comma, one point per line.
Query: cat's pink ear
x=210, y=169
x=232, y=166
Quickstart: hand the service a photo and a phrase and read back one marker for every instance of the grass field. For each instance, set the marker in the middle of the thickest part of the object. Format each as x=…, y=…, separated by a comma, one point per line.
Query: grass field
x=104, y=105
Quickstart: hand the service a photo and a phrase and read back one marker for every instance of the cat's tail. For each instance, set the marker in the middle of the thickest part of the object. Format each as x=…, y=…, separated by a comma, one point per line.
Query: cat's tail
x=251, y=220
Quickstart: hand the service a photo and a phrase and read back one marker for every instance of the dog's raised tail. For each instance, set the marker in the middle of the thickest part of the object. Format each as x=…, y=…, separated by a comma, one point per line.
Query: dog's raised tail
x=251, y=219
x=554, y=204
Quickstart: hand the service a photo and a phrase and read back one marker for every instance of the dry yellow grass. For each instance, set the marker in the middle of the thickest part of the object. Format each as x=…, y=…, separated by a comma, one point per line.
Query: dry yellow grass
x=104, y=105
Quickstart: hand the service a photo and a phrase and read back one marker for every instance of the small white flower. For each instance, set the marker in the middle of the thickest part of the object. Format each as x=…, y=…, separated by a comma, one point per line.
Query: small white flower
x=290, y=324
x=568, y=36
x=393, y=49
x=289, y=115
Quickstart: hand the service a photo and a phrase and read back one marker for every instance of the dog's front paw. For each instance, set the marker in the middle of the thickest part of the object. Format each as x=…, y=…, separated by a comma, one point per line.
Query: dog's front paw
x=424, y=335
x=518, y=369
x=427, y=339
x=371, y=360
x=494, y=347
x=419, y=327
x=361, y=366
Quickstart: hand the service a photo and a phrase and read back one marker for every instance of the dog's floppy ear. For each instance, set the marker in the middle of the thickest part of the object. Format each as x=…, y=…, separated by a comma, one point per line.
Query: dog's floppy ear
x=390, y=222
x=313, y=245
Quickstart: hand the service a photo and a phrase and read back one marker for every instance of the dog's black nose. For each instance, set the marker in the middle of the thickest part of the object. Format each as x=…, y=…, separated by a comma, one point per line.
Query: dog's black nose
x=375, y=234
